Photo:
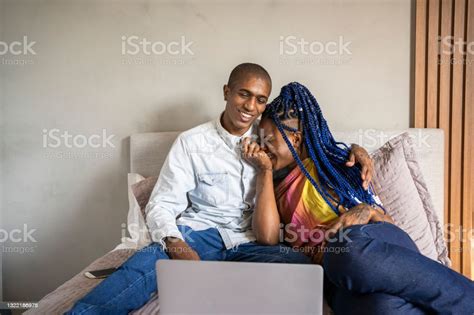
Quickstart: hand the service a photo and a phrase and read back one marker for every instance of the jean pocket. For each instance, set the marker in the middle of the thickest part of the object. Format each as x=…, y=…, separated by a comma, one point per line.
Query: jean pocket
x=213, y=188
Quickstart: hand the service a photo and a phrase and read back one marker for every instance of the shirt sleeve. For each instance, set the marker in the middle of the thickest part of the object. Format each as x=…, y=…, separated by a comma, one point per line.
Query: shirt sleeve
x=169, y=197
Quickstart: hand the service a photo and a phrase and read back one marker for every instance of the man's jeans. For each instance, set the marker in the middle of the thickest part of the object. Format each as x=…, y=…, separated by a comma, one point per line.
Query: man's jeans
x=134, y=282
x=382, y=272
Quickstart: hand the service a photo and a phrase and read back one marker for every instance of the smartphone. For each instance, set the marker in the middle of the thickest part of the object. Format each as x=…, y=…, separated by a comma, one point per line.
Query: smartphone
x=100, y=274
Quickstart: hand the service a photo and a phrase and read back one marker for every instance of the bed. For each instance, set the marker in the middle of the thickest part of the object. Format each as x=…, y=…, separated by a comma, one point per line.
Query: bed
x=147, y=154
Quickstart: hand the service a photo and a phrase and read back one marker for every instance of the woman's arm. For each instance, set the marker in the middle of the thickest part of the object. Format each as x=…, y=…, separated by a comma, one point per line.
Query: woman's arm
x=266, y=219
x=379, y=215
x=360, y=214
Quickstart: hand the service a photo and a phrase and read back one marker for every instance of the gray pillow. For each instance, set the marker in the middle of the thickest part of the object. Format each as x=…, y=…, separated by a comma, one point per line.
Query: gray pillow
x=400, y=186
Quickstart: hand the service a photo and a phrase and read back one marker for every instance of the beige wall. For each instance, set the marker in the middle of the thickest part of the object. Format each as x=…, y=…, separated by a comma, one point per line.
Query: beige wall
x=80, y=82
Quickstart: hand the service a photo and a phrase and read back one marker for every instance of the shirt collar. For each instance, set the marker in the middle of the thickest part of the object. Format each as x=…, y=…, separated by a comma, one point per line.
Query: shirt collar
x=231, y=140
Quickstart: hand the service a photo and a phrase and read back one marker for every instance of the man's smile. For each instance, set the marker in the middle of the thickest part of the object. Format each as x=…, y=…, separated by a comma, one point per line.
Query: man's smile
x=245, y=117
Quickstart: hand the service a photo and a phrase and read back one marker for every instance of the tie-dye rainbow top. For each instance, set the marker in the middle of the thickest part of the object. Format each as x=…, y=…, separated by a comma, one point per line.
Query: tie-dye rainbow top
x=302, y=208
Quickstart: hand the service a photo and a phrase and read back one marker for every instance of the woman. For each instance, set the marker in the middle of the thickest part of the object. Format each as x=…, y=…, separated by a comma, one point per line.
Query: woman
x=373, y=267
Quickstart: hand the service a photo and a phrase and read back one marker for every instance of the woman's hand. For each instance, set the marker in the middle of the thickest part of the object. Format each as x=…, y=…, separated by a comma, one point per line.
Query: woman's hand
x=254, y=154
x=360, y=214
x=359, y=155
x=265, y=218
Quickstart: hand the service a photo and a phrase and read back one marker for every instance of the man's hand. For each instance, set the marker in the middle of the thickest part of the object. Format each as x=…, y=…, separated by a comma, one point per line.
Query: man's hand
x=359, y=155
x=179, y=249
x=254, y=154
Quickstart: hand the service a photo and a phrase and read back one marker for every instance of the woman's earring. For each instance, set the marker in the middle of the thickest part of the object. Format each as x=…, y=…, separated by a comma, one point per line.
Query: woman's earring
x=297, y=145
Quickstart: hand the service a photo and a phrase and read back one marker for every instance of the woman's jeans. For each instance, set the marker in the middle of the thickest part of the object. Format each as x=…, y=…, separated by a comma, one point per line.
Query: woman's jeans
x=377, y=269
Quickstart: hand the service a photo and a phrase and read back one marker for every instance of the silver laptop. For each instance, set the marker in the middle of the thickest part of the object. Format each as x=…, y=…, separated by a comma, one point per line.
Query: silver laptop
x=209, y=287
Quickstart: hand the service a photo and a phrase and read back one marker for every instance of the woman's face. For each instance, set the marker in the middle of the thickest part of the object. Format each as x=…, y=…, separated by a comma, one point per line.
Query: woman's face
x=275, y=146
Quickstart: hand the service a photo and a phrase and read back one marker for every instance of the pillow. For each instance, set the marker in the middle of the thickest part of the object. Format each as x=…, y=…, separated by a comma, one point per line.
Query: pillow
x=142, y=192
x=400, y=186
x=136, y=226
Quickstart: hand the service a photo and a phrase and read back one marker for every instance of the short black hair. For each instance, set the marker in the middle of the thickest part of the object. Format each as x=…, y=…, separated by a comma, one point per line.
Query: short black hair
x=245, y=69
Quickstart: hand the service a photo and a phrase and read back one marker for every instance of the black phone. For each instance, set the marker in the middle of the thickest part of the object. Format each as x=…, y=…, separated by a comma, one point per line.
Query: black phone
x=100, y=274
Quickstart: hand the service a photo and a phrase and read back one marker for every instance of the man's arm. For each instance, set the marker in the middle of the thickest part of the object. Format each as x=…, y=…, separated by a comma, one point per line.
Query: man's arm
x=360, y=155
x=179, y=249
x=169, y=199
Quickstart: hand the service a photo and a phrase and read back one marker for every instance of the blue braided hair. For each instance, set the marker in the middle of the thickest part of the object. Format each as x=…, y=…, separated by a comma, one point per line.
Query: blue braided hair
x=296, y=102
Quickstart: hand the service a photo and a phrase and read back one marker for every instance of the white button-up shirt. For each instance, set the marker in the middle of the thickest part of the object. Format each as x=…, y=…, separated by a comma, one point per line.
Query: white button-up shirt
x=205, y=183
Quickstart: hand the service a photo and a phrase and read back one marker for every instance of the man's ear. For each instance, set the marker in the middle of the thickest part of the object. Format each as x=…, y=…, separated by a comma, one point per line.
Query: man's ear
x=226, y=91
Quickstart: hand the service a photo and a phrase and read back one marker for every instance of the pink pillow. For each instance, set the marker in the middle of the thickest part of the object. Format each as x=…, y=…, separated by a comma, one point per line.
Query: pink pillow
x=142, y=192
x=400, y=186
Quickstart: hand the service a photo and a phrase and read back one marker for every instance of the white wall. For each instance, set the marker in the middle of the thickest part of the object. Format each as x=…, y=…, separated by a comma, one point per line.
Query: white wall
x=80, y=82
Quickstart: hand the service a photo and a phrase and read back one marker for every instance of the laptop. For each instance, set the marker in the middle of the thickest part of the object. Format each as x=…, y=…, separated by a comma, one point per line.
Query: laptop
x=210, y=287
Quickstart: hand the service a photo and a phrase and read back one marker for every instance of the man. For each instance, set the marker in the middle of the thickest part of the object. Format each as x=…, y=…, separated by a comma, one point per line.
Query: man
x=207, y=183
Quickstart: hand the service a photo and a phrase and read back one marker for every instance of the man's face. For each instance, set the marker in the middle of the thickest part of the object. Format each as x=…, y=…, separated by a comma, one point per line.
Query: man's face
x=246, y=100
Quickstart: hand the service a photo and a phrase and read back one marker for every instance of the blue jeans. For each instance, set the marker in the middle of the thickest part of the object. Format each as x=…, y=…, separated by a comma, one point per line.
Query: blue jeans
x=131, y=286
x=382, y=272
